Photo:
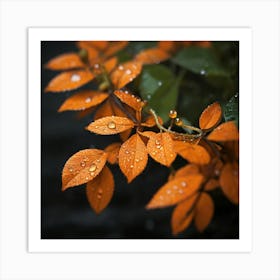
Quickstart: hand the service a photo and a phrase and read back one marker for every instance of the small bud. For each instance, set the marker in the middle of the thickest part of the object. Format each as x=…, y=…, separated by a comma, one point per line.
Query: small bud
x=178, y=122
x=172, y=114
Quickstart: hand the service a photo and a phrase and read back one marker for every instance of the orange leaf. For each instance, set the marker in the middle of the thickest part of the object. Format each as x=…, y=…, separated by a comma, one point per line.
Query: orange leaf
x=182, y=215
x=110, y=64
x=160, y=147
x=83, y=100
x=229, y=181
x=133, y=157
x=104, y=110
x=176, y=191
x=193, y=153
x=225, y=132
x=82, y=167
x=69, y=80
x=125, y=73
x=125, y=135
x=204, y=211
x=84, y=113
x=98, y=45
x=211, y=185
x=115, y=47
x=113, y=152
x=150, y=56
x=150, y=121
x=131, y=100
x=110, y=125
x=167, y=46
x=187, y=170
x=65, y=62
x=211, y=116
x=100, y=190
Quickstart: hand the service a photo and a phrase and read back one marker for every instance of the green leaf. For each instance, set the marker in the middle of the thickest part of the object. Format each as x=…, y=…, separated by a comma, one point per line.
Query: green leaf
x=231, y=110
x=199, y=60
x=159, y=86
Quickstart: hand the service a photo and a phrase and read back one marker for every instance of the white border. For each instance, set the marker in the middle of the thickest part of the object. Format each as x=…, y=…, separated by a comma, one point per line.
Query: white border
x=243, y=35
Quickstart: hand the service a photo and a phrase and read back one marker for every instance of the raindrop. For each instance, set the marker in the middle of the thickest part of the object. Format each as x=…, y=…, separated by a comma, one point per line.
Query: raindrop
x=126, y=92
x=158, y=146
x=96, y=65
x=168, y=191
x=181, y=191
x=183, y=184
x=130, y=79
x=127, y=152
x=83, y=164
x=75, y=78
x=111, y=125
x=92, y=174
x=137, y=160
x=138, y=100
x=160, y=83
x=131, y=166
x=87, y=178
x=92, y=168
x=148, y=96
x=217, y=172
x=202, y=72
x=157, y=142
x=88, y=99
x=70, y=169
x=120, y=67
x=128, y=71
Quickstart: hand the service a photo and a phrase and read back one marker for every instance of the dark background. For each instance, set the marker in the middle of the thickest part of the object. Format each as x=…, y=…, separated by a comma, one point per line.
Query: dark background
x=68, y=215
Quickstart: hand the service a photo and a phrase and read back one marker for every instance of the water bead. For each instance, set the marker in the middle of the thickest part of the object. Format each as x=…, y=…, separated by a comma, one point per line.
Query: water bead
x=111, y=125
x=172, y=114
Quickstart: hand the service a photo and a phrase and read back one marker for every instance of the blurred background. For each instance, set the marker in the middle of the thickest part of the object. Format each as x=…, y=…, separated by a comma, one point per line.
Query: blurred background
x=68, y=214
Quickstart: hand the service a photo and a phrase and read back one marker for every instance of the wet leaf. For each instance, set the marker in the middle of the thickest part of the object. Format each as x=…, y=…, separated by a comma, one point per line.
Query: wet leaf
x=125, y=73
x=131, y=100
x=176, y=191
x=115, y=47
x=100, y=190
x=151, y=56
x=229, y=181
x=105, y=110
x=204, y=212
x=110, y=125
x=110, y=64
x=113, y=152
x=212, y=184
x=167, y=46
x=98, y=45
x=199, y=60
x=125, y=135
x=133, y=157
x=150, y=121
x=82, y=167
x=182, y=215
x=192, y=153
x=83, y=100
x=69, y=80
x=187, y=170
x=224, y=132
x=160, y=147
x=65, y=62
x=211, y=116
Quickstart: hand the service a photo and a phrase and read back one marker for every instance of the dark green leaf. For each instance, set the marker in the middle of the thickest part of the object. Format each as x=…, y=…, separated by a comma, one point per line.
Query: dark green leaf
x=200, y=61
x=231, y=110
x=159, y=86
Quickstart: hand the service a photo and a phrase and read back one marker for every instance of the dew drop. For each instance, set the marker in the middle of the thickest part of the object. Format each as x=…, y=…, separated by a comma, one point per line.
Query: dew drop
x=181, y=191
x=91, y=174
x=87, y=178
x=120, y=67
x=92, y=168
x=160, y=83
x=183, y=184
x=126, y=92
x=111, y=125
x=217, y=172
x=158, y=146
x=88, y=99
x=99, y=196
x=161, y=197
x=168, y=191
x=202, y=72
x=96, y=66
x=131, y=166
x=98, y=160
x=128, y=71
x=127, y=152
x=157, y=142
x=138, y=100
x=148, y=96
x=130, y=79
x=70, y=169
x=175, y=187
x=83, y=164
x=75, y=78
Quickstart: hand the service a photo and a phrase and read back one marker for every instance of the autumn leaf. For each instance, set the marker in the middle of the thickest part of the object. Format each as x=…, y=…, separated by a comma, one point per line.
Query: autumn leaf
x=160, y=147
x=100, y=190
x=151, y=56
x=167, y=46
x=110, y=125
x=69, y=80
x=131, y=100
x=211, y=116
x=211, y=185
x=187, y=170
x=115, y=47
x=83, y=100
x=133, y=157
x=82, y=167
x=183, y=214
x=224, y=132
x=204, y=211
x=113, y=152
x=98, y=45
x=65, y=62
x=105, y=110
x=150, y=121
x=176, y=191
x=229, y=181
x=110, y=64
x=125, y=73
x=192, y=153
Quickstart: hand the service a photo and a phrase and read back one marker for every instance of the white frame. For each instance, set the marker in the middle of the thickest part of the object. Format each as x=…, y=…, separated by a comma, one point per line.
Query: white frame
x=243, y=35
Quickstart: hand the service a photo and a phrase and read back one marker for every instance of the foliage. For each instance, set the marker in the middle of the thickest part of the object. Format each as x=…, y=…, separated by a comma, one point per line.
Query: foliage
x=137, y=90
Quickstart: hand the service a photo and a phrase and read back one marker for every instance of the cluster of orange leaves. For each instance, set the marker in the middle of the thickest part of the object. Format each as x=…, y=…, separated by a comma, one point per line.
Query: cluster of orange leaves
x=212, y=160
